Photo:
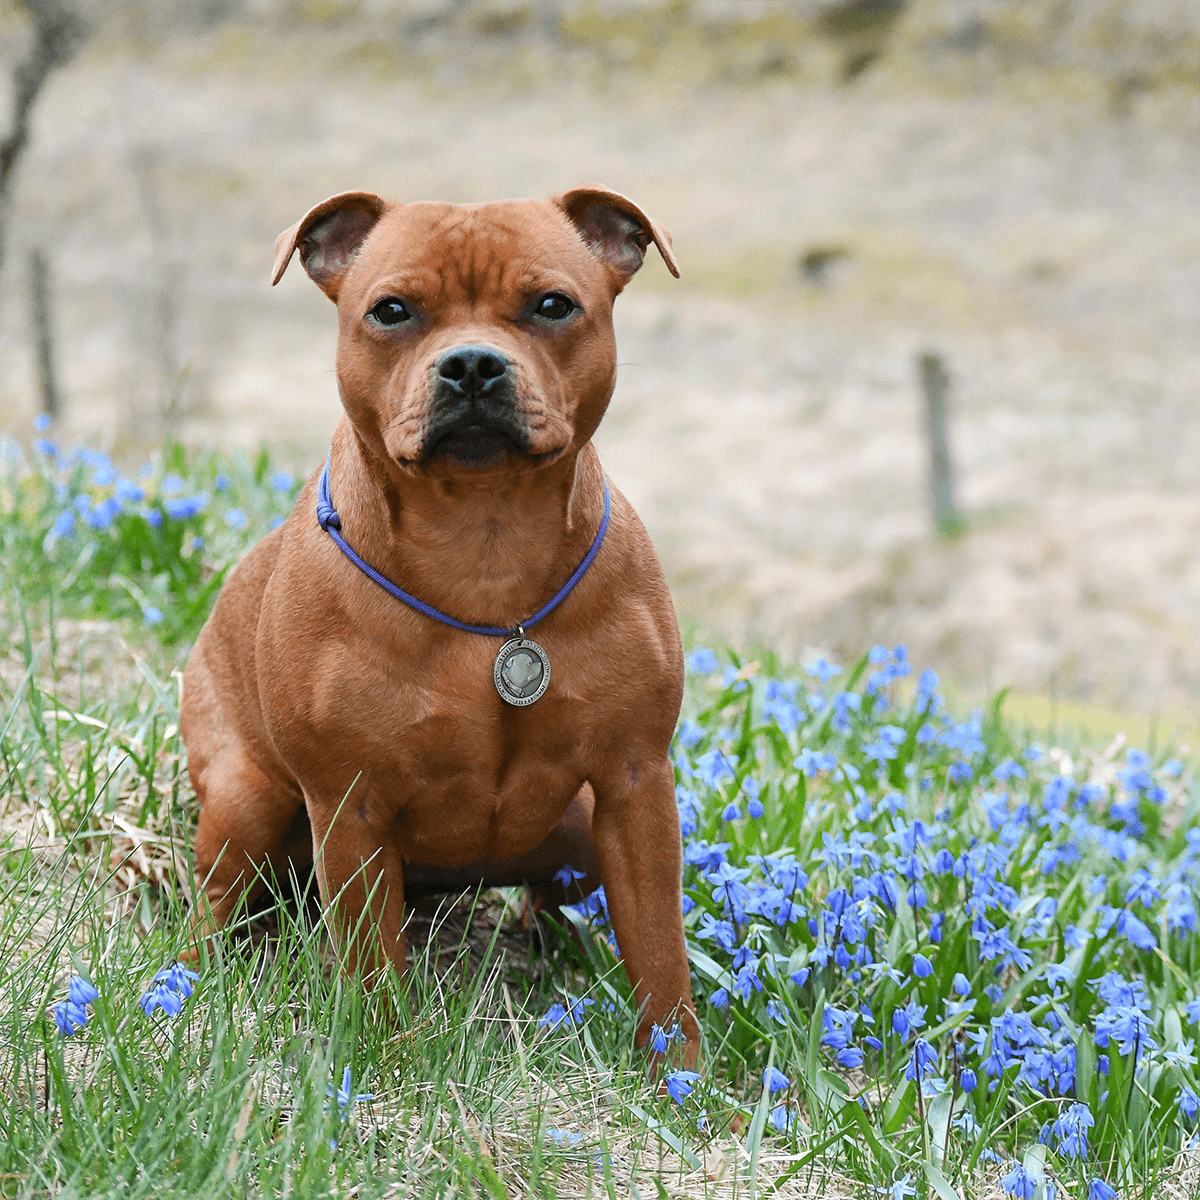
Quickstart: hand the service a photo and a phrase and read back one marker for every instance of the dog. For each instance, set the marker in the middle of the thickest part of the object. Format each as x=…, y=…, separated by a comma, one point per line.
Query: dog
x=457, y=662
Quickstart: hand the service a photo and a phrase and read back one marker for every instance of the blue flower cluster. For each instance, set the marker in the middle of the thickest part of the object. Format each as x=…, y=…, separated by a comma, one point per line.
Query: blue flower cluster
x=960, y=915
x=171, y=987
x=152, y=544
x=92, y=492
x=71, y=1014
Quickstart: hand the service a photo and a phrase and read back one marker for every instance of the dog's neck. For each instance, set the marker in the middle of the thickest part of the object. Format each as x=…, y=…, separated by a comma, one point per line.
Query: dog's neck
x=490, y=551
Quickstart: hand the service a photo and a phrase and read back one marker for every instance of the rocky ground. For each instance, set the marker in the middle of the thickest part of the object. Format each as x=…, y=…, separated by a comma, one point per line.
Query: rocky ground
x=1037, y=226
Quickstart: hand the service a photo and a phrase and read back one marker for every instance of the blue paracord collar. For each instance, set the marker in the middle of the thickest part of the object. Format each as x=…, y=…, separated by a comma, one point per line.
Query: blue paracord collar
x=328, y=519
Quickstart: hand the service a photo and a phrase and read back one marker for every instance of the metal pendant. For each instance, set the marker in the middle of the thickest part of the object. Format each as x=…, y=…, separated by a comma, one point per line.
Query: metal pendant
x=522, y=671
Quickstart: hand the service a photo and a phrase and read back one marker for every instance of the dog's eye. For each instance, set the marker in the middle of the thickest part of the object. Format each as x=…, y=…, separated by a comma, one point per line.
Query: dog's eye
x=390, y=312
x=555, y=306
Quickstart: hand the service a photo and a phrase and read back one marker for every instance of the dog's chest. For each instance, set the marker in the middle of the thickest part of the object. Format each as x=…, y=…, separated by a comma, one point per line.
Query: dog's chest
x=423, y=747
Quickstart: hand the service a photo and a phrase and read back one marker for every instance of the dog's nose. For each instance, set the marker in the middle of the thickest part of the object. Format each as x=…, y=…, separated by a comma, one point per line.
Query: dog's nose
x=472, y=370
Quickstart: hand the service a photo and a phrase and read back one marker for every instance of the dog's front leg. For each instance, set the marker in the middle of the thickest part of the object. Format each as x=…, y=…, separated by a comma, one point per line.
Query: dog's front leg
x=636, y=831
x=360, y=874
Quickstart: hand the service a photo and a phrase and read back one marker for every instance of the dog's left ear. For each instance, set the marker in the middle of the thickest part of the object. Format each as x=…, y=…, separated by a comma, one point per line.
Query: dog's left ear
x=328, y=237
x=615, y=229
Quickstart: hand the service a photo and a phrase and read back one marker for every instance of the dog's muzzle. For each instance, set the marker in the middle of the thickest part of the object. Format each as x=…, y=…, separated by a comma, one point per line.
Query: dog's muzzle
x=474, y=416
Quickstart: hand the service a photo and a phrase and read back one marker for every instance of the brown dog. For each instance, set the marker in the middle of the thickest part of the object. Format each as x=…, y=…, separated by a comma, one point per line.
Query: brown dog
x=475, y=360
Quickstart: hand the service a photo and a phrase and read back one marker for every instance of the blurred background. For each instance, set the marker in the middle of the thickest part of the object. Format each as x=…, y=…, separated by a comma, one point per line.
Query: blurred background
x=990, y=206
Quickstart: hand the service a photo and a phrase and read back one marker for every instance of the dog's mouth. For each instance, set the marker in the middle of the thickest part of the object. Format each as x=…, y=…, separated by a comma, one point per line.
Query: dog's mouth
x=474, y=444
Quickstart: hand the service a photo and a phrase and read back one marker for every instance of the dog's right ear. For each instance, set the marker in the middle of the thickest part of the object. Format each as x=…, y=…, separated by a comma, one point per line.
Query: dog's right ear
x=328, y=237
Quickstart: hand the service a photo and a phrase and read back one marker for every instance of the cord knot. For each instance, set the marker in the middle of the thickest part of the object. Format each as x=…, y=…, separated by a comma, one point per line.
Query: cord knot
x=327, y=516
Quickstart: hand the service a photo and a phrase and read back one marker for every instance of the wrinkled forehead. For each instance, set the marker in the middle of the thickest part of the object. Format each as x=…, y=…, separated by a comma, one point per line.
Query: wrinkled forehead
x=471, y=250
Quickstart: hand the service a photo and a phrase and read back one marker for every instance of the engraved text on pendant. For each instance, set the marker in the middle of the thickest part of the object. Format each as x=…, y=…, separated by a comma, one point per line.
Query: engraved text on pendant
x=522, y=671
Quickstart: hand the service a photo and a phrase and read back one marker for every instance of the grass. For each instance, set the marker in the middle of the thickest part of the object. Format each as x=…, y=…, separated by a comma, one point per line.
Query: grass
x=931, y=956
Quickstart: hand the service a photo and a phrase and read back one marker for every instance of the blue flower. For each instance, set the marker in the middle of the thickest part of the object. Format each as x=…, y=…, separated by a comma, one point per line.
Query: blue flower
x=64, y=523
x=702, y=661
x=45, y=447
x=152, y=615
x=345, y=1096
x=1189, y=1104
x=967, y=1080
x=81, y=991
x=781, y=1118
x=128, y=492
x=558, y=1014
x=679, y=1084
x=281, y=481
x=1099, y=1190
x=779, y=704
x=41, y=422
x=713, y=766
x=922, y=968
x=179, y=977
x=775, y=1080
x=554, y=1016
x=731, y=813
x=164, y=997
x=171, y=484
x=923, y=1061
x=70, y=1017
x=170, y=987
x=346, y=1100
x=1070, y=1130
x=823, y=670
x=812, y=761
x=660, y=1038
x=900, y=1190
x=567, y=875
x=102, y=516
x=154, y=517
x=777, y=1012
x=1009, y=769
x=1017, y=1183
x=181, y=509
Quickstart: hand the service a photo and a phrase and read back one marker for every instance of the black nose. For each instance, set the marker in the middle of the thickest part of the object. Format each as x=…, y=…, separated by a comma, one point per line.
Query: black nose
x=472, y=370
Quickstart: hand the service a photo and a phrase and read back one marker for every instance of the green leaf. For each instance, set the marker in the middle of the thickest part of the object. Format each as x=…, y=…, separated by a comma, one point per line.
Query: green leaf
x=1034, y=1162
x=900, y=1104
x=885, y=1153
x=1085, y=1068
x=938, y=1181
x=829, y=1088
x=938, y=1116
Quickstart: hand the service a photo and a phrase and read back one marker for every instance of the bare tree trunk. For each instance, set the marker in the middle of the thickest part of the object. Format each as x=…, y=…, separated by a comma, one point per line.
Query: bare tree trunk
x=935, y=382
x=43, y=331
x=57, y=34
x=170, y=374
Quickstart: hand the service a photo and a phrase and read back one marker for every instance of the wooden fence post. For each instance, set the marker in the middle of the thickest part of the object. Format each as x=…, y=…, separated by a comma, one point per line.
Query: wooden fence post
x=935, y=382
x=43, y=331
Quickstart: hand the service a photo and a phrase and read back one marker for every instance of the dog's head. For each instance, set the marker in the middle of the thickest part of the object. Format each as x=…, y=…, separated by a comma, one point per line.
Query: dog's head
x=475, y=338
